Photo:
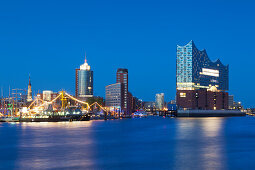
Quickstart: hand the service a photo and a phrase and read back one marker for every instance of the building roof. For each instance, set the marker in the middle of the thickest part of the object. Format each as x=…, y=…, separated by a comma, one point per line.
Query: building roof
x=205, y=54
x=85, y=66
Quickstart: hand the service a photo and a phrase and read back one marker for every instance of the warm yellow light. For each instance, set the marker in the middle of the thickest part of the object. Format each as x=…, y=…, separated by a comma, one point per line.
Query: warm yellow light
x=182, y=94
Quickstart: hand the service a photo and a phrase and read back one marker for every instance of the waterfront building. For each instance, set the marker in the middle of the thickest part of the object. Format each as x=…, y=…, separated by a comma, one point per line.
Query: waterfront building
x=200, y=83
x=114, y=97
x=194, y=70
x=84, y=81
x=237, y=106
x=160, y=101
x=122, y=77
x=149, y=106
x=173, y=102
x=202, y=99
x=29, y=91
x=137, y=104
x=47, y=95
x=230, y=101
x=171, y=107
x=130, y=103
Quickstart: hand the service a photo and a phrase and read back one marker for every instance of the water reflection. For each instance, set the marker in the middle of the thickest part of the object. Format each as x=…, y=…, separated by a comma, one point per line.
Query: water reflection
x=212, y=127
x=200, y=142
x=213, y=154
x=68, y=143
x=55, y=124
x=149, y=143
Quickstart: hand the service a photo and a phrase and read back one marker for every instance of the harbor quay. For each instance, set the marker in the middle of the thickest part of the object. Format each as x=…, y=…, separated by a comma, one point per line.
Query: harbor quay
x=209, y=113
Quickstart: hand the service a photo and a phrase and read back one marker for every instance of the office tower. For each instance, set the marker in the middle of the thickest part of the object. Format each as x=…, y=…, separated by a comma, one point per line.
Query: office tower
x=114, y=96
x=122, y=77
x=29, y=91
x=84, y=81
x=200, y=83
x=159, y=100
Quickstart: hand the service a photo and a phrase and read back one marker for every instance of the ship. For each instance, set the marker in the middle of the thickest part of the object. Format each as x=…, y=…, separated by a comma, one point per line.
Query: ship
x=61, y=116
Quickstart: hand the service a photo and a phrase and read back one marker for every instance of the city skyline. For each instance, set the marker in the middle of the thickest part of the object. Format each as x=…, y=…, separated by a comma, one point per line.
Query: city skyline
x=43, y=50
x=86, y=64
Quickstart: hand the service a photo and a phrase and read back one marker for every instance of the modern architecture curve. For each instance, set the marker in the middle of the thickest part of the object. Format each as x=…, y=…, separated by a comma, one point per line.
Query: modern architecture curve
x=195, y=70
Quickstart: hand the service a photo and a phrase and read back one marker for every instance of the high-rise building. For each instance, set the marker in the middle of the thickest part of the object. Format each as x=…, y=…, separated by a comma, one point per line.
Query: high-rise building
x=114, y=96
x=159, y=100
x=194, y=70
x=122, y=77
x=84, y=81
x=29, y=91
x=200, y=83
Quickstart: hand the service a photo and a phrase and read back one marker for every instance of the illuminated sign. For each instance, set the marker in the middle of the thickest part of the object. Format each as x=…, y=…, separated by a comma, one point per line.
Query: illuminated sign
x=210, y=72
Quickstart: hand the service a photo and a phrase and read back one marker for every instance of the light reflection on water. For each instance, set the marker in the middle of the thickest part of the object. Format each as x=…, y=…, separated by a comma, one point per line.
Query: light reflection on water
x=47, y=142
x=149, y=143
x=198, y=143
x=56, y=124
x=213, y=152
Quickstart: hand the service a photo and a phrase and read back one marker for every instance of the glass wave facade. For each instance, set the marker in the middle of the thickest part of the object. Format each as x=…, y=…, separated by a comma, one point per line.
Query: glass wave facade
x=194, y=70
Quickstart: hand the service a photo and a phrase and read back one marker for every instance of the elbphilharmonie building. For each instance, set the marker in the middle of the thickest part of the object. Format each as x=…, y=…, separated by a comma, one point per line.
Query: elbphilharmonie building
x=200, y=83
x=194, y=70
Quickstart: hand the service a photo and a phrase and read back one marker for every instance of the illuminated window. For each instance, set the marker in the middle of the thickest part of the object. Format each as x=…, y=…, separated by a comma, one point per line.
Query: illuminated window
x=182, y=94
x=210, y=72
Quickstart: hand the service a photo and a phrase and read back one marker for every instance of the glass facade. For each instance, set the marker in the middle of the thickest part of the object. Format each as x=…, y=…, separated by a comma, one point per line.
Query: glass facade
x=122, y=77
x=160, y=101
x=194, y=70
x=85, y=83
x=114, y=95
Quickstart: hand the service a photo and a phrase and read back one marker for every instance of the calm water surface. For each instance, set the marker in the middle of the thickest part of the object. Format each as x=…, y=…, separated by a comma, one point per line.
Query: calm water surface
x=147, y=143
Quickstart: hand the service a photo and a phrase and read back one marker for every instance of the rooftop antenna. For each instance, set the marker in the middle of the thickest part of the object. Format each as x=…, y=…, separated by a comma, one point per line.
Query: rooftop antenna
x=85, y=57
x=29, y=80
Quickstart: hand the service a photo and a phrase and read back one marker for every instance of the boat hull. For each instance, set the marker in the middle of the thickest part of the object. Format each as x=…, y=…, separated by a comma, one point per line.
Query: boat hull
x=57, y=119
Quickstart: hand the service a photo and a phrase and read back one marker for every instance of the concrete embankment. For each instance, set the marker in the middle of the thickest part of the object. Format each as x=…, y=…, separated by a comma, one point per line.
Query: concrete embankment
x=209, y=113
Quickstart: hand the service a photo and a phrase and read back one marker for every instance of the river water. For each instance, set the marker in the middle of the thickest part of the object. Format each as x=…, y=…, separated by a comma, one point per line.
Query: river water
x=142, y=143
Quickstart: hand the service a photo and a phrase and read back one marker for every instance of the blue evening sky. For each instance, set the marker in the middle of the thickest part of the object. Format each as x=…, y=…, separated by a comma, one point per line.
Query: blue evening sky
x=48, y=39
